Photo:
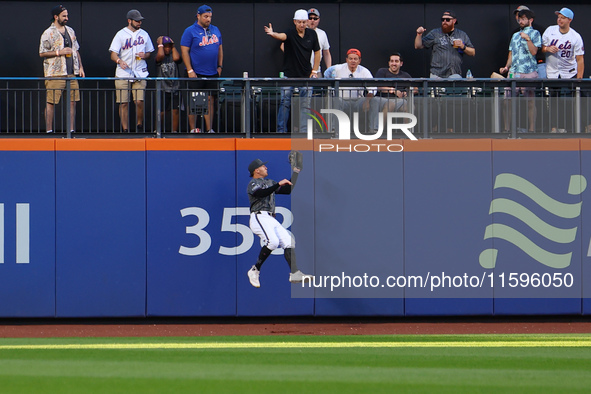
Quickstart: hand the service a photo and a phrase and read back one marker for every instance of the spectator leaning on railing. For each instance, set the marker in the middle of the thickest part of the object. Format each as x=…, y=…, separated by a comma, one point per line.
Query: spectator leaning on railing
x=59, y=50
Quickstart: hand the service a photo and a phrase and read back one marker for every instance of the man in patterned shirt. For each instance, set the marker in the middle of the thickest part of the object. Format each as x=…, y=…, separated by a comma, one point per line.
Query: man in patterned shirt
x=59, y=50
x=449, y=46
x=522, y=63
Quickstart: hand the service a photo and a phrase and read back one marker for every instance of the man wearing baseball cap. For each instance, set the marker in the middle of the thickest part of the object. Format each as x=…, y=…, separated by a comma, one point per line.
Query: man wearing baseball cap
x=313, y=21
x=540, y=56
x=449, y=46
x=167, y=61
x=563, y=47
x=130, y=48
x=565, y=52
x=300, y=43
x=203, y=55
x=356, y=99
x=261, y=195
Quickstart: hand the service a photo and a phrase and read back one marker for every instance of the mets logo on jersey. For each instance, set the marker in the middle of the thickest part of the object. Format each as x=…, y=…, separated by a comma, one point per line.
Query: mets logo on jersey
x=129, y=43
x=566, y=45
x=209, y=40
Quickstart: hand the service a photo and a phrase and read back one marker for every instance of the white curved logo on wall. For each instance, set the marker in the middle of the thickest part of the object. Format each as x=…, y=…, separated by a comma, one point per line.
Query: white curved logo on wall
x=552, y=232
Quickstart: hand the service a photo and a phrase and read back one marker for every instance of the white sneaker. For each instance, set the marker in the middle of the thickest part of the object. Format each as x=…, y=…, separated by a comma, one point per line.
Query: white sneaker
x=253, y=276
x=211, y=131
x=299, y=276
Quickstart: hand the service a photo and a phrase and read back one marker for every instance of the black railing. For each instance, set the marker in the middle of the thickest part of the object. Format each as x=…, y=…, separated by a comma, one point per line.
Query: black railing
x=498, y=108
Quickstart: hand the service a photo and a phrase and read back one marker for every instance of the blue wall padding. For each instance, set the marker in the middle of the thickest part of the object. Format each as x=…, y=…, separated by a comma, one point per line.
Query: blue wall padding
x=160, y=228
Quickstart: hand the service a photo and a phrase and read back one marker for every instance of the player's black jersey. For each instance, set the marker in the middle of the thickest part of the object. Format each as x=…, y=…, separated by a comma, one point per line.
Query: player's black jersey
x=263, y=186
x=261, y=194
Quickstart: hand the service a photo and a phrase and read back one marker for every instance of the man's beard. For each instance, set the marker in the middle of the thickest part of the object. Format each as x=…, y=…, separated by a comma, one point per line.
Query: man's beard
x=447, y=28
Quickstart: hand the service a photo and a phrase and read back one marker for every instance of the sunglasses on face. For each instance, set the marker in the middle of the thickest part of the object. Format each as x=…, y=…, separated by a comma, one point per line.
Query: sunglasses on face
x=313, y=18
x=446, y=19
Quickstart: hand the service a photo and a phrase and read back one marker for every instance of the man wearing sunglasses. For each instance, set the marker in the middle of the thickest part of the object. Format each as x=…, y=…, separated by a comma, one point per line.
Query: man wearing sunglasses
x=449, y=46
x=313, y=21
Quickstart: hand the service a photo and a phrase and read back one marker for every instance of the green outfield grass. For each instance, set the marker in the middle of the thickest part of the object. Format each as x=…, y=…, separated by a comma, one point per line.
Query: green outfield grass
x=276, y=364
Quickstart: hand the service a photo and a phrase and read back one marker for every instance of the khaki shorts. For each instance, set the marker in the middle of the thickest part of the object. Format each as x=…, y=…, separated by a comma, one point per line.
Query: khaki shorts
x=55, y=87
x=123, y=87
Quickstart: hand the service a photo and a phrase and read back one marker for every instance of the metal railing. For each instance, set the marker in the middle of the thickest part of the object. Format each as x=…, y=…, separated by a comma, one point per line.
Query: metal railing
x=506, y=108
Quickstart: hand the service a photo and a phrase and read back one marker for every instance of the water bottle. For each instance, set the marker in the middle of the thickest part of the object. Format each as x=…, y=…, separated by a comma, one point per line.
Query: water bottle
x=469, y=74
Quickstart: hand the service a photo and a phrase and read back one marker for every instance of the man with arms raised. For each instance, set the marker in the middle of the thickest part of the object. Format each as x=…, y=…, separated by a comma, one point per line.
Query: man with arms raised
x=299, y=45
x=449, y=46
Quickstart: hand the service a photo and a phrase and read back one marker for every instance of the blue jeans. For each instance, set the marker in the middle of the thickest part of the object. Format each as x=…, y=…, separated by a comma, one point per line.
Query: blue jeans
x=285, y=108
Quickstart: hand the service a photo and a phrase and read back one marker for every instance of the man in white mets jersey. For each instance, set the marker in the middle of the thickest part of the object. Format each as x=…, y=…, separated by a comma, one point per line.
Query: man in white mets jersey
x=564, y=48
x=564, y=51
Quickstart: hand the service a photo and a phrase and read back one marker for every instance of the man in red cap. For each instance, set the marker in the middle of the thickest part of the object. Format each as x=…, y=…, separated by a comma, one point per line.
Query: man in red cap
x=356, y=98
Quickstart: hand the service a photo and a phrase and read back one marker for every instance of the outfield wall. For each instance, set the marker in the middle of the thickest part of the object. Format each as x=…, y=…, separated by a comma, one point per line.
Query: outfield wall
x=113, y=228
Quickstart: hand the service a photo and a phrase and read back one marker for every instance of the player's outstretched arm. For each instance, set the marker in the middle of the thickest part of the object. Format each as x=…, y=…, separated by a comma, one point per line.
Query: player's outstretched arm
x=285, y=186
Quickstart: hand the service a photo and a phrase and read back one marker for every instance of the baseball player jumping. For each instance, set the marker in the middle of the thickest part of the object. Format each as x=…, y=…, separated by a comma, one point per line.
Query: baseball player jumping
x=261, y=194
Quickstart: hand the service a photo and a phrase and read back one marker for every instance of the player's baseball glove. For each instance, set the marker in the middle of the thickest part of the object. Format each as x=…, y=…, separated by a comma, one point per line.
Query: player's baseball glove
x=296, y=160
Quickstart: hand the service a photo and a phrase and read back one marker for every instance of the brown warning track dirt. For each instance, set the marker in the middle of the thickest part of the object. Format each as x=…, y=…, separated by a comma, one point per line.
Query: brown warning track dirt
x=287, y=326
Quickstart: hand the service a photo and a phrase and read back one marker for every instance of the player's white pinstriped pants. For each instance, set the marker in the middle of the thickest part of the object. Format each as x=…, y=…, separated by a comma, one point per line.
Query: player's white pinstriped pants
x=273, y=234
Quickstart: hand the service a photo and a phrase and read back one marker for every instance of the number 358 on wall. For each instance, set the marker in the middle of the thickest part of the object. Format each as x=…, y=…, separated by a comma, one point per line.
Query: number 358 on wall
x=204, y=238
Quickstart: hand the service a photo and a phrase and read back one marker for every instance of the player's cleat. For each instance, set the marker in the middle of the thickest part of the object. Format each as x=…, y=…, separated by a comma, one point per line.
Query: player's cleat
x=299, y=276
x=253, y=276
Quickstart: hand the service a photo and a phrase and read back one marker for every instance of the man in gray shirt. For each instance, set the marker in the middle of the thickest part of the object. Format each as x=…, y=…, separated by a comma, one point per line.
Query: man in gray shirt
x=449, y=46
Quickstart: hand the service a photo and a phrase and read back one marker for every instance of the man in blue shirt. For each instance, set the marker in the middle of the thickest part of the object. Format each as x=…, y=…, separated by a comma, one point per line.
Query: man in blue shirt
x=203, y=55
